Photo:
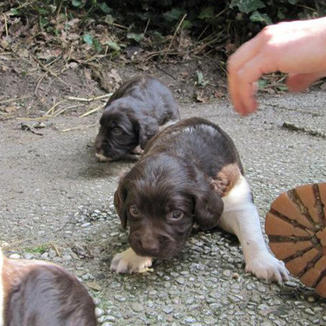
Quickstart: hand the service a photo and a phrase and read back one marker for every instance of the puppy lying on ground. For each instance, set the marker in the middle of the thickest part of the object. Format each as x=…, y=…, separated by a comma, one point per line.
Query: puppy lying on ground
x=189, y=174
x=36, y=293
x=132, y=116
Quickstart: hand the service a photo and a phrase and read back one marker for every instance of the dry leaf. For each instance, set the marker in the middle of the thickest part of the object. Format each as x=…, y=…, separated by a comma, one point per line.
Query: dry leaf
x=93, y=285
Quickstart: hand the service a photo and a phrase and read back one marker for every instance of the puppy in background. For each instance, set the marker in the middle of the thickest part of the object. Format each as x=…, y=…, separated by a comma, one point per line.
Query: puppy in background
x=189, y=174
x=37, y=293
x=132, y=116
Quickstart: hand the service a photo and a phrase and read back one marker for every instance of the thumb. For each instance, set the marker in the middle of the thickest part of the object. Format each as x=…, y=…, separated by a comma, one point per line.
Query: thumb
x=299, y=82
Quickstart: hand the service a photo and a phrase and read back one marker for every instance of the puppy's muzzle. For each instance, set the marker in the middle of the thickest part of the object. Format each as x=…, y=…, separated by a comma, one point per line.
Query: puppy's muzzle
x=147, y=245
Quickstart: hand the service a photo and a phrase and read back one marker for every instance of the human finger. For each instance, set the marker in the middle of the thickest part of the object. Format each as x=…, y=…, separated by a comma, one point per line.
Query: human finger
x=299, y=82
x=244, y=54
x=246, y=81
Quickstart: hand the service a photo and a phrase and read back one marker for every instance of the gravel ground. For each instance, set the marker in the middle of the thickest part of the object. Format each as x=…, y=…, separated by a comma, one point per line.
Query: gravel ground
x=56, y=203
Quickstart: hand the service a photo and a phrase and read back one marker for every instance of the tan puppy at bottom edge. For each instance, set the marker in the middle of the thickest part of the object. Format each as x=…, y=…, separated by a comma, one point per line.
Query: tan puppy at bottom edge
x=38, y=293
x=190, y=174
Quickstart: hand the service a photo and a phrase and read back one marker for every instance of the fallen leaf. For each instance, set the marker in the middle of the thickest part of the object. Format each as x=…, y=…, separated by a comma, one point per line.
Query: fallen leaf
x=9, y=109
x=199, y=97
x=93, y=285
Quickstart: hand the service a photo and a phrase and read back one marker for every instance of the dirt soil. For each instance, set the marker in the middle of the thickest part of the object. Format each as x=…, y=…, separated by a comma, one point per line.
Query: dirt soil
x=56, y=199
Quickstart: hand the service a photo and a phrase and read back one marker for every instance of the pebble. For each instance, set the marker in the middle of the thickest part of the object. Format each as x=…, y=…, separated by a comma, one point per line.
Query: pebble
x=99, y=312
x=190, y=319
x=14, y=256
x=309, y=311
x=311, y=299
x=28, y=255
x=120, y=298
x=137, y=307
x=180, y=280
x=227, y=273
x=167, y=309
x=267, y=323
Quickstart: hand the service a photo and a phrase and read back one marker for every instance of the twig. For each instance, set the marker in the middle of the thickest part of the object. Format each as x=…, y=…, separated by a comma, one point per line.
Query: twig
x=92, y=111
x=146, y=27
x=39, y=83
x=79, y=127
x=56, y=113
x=34, y=119
x=52, y=108
x=58, y=9
x=42, y=77
x=159, y=68
x=158, y=53
x=44, y=67
x=25, y=4
x=55, y=249
x=91, y=99
x=14, y=99
x=120, y=26
x=6, y=24
x=201, y=47
x=175, y=33
x=114, y=24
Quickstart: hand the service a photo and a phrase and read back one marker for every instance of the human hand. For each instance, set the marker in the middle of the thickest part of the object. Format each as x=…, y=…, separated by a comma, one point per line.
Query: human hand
x=297, y=48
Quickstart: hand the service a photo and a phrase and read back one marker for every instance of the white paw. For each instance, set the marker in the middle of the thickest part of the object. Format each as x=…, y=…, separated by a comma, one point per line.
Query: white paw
x=138, y=150
x=129, y=262
x=266, y=266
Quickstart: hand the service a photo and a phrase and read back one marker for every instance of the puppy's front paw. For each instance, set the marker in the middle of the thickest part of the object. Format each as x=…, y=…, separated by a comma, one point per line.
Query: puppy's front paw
x=128, y=262
x=266, y=266
x=138, y=150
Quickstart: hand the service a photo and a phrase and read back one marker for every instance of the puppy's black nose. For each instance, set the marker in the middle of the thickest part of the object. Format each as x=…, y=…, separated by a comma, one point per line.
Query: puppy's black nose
x=149, y=245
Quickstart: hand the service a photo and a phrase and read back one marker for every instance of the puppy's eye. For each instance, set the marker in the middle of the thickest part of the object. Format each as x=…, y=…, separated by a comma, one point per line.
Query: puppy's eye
x=116, y=131
x=176, y=215
x=133, y=210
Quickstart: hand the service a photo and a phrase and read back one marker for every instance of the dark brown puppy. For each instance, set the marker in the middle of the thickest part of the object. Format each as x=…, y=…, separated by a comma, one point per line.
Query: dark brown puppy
x=189, y=174
x=36, y=293
x=132, y=116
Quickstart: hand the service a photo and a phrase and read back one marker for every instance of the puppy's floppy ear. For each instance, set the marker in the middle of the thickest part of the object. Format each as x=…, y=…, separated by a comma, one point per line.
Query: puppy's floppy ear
x=208, y=206
x=120, y=196
x=147, y=128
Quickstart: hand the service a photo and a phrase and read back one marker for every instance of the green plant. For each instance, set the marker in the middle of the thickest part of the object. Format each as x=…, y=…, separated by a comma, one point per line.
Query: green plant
x=37, y=250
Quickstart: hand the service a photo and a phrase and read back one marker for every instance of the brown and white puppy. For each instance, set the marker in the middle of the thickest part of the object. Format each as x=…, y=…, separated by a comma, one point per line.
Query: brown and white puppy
x=189, y=174
x=132, y=116
x=36, y=293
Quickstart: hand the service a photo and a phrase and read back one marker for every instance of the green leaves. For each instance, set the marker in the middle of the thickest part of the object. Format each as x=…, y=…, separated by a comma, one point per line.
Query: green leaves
x=104, y=8
x=113, y=45
x=200, y=79
x=93, y=42
x=88, y=39
x=256, y=16
x=174, y=14
x=137, y=37
x=207, y=13
x=247, y=6
x=77, y=3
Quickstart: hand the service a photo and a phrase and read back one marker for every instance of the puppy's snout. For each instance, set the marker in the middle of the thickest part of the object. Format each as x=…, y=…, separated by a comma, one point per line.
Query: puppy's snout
x=149, y=244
